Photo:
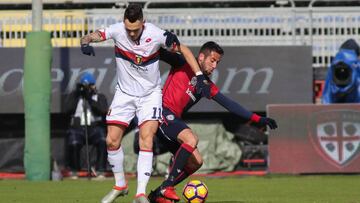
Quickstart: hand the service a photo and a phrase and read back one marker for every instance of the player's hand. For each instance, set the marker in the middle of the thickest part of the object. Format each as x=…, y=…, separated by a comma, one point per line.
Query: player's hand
x=87, y=49
x=269, y=122
x=202, y=86
x=171, y=39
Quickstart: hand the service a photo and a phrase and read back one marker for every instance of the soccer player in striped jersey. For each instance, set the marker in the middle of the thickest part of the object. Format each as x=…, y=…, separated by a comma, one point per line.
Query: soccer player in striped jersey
x=138, y=91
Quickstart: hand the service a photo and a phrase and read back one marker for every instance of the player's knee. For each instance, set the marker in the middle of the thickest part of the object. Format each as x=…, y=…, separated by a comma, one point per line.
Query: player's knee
x=191, y=140
x=146, y=141
x=112, y=142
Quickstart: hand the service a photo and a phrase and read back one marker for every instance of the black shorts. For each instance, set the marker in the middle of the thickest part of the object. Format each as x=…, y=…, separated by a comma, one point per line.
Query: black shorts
x=169, y=130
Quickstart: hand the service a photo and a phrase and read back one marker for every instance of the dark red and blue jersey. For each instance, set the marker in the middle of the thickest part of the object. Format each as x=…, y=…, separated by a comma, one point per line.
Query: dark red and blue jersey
x=179, y=93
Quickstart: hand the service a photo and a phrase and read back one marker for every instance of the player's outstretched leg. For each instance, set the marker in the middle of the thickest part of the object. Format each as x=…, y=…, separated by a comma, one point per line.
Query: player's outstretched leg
x=182, y=155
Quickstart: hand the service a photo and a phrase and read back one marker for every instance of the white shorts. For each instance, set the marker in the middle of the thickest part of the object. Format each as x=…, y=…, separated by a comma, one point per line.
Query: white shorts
x=124, y=108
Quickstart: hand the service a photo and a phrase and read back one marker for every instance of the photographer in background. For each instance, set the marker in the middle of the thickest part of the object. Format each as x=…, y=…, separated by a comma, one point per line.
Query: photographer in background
x=342, y=84
x=96, y=106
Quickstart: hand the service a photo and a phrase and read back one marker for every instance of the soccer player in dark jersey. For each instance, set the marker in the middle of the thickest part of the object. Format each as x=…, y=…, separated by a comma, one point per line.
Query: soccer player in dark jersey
x=179, y=95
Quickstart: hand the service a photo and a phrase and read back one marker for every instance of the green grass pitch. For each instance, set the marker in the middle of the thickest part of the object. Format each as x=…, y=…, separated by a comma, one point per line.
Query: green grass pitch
x=239, y=189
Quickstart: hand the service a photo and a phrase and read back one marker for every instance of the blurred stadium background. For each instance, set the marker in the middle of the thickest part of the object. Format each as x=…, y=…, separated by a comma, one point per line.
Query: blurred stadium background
x=263, y=28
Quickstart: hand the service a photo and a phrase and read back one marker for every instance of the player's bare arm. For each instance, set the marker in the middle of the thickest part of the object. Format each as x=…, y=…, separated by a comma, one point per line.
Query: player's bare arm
x=175, y=45
x=87, y=39
x=189, y=57
x=92, y=37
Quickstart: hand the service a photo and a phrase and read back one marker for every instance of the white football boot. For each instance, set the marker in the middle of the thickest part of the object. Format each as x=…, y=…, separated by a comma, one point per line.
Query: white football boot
x=115, y=193
x=141, y=199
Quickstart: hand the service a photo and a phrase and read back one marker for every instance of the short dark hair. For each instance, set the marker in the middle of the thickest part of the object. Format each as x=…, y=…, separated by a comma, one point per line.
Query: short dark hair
x=133, y=13
x=210, y=46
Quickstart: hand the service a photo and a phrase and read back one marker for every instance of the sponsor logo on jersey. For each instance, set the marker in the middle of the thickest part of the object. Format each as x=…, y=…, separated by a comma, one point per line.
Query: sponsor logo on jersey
x=191, y=95
x=139, y=68
x=336, y=135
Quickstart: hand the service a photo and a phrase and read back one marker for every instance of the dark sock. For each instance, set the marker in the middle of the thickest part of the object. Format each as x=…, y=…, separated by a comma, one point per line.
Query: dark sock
x=186, y=173
x=180, y=160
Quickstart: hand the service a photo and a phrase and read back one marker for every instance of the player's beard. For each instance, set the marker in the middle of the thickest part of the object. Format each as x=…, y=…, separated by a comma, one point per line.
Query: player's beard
x=204, y=70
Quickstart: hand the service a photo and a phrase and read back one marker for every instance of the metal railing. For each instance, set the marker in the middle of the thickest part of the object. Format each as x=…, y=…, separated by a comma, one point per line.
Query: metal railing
x=322, y=28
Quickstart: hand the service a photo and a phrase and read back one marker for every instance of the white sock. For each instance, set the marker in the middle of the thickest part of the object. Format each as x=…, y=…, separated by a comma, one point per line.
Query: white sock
x=116, y=161
x=144, y=169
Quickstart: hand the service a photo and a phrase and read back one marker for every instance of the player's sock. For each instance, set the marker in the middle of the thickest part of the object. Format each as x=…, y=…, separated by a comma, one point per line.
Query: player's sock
x=180, y=160
x=144, y=167
x=116, y=161
x=186, y=173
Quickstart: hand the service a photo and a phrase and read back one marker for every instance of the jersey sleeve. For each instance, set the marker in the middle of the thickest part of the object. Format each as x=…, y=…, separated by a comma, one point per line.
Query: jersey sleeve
x=173, y=59
x=235, y=108
x=213, y=89
x=162, y=39
x=160, y=35
x=107, y=33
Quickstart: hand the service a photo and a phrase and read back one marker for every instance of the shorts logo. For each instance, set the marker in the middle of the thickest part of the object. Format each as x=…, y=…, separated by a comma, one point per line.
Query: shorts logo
x=170, y=117
x=109, y=112
x=138, y=59
x=336, y=135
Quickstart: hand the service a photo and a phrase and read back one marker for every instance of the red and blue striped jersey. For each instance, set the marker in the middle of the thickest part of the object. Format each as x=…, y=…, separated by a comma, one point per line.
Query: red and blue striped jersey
x=179, y=93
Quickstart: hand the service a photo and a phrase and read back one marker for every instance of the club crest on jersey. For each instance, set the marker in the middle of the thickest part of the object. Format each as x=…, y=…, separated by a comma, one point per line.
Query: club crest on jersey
x=138, y=59
x=336, y=135
x=170, y=117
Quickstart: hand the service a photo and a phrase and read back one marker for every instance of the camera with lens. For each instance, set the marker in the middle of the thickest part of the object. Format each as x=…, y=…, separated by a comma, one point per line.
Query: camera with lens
x=342, y=81
x=342, y=74
x=85, y=90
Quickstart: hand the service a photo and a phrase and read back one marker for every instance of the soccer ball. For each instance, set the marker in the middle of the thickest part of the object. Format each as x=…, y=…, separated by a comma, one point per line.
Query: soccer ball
x=195, y=191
